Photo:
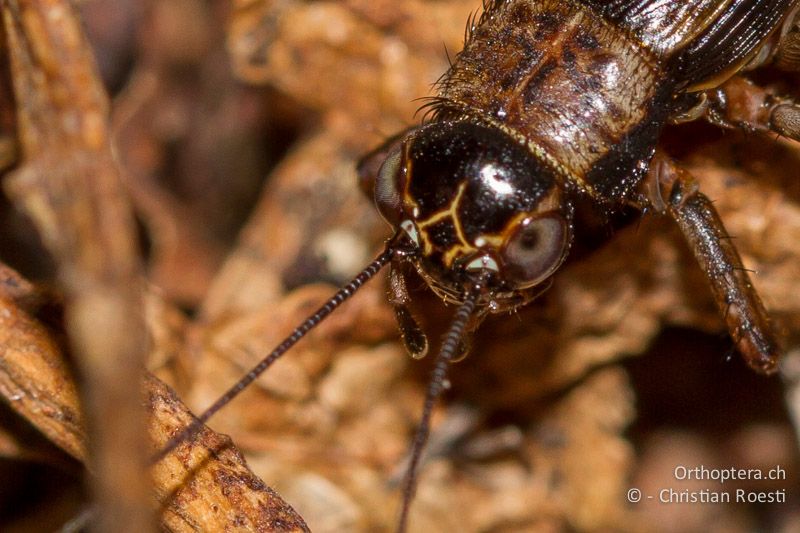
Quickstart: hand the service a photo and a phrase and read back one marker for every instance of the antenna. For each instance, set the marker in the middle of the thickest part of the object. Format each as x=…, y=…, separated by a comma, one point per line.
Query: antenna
x=299, y=332
x=435, y=387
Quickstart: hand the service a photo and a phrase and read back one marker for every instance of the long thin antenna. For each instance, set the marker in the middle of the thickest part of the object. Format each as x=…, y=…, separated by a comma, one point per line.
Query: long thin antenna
x=435, y=387
x=308, y=324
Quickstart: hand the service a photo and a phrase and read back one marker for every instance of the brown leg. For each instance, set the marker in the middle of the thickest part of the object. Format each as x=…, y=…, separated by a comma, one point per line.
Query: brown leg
x=414, y=339
x=672, y=190
x=739, y=103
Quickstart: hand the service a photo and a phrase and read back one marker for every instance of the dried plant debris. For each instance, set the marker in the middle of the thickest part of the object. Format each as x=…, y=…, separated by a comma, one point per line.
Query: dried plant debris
x=205, y=485
x=35, y=378
x=228, y=210
x=67, y=182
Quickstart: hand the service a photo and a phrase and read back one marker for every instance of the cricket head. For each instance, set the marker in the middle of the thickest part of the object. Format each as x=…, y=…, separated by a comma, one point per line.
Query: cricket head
x=474, y=204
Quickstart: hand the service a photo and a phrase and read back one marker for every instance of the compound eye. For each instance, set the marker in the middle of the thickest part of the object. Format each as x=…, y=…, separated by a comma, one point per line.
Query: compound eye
x=537, y=247
x=387, y=188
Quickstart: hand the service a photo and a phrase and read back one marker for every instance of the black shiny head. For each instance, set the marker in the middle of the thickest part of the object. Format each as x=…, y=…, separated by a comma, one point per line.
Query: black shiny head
x=475, y=202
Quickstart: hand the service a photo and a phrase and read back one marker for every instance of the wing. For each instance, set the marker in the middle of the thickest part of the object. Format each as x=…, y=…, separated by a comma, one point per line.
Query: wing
x=702, y=41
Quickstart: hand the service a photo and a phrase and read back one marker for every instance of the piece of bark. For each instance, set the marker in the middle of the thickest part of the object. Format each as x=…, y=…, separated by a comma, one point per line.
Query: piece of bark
x=205, y=484
x=34, y=378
